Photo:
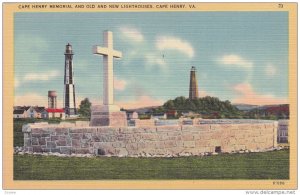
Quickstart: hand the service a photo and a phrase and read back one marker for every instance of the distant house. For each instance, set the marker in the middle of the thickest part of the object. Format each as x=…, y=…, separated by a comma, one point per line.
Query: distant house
x=30, y=112
x=171, y=114
x=159, y=116
x=56, y=113
x=41, y=112
x=20, y=113
x=282, y=131
x=132, y=115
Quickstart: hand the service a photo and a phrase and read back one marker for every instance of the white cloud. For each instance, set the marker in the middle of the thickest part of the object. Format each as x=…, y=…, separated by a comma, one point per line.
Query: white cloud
x=119, y=84
x=174, y=43
x=132, y=34
x=41, y=76
x=235, y=61
x=247, y=95
x=270, y=70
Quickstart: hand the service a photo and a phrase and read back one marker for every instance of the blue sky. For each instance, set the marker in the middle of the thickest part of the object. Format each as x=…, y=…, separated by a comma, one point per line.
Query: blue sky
x=239, y=56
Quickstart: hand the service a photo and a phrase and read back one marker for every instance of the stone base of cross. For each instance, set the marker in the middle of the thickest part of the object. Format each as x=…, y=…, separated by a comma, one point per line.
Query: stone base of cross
x=102, y=116
x=107, y=114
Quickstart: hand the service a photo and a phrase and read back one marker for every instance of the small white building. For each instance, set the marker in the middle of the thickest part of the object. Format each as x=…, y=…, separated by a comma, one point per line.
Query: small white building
x=132, y=115
x=30, y=112
x=282, y=131
x=56, y=113
x=20, y=113
x=41, y=112
x=159, y=116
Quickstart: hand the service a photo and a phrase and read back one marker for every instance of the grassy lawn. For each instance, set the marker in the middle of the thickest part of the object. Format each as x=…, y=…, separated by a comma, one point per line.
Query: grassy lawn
x=268, y=165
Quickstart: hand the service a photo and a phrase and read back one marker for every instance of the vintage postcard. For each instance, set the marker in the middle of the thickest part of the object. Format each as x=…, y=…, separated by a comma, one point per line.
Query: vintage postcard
x=150, y=96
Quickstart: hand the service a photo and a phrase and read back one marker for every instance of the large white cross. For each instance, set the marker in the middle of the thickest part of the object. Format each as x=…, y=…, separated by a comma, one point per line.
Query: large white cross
x=108, y=53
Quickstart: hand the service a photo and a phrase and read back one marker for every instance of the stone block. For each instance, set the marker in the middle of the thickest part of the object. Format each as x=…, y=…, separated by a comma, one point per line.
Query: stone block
x=66, y=124
x=103, y=145
x=107, y=138
x=187, y=137
x=100, y=117
x=34, y=141
x=149, y=129
x=51, y=144
x=170, y=144
x=149, y=136
x=37, y=149
x=61, y=131
x=201, y=143
x=46, y=150
x=189, y=144
x=145, y=123
x=28, y=149
x=167, y=128
x=244, y=126
x=54, y=138
x=87, y=136
x=121, y=152
x=163, y=136
x=69, y=141
x=174, y=133
x=66, y=150
x=26, y=128
x=42, y=141
x=105, y=130
x=91, y=130
x=175, y=150
x=36, y=135
x=46, y=135
x=76, y=143
x=61, y=143
x=203, y=127
x=27, y=142
x=174, y=138
x=159, y=144
x=141, y=145
x=216, y=136
x=161, y=152
x=118, y=144
x=131, y=146
x=76, y=135
x=37, y=131
x=27, y=135
x=76, y=130
x=95, y=138
x=85, y=144
x=179, y=143
x=82, y=151
x=215, y=142
x=149, y=144
x=82, y=123
x=55, y=150
x=137, y=130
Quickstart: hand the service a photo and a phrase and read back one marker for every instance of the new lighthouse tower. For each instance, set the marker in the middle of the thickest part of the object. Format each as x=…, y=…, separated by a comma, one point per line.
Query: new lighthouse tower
x=69, y=87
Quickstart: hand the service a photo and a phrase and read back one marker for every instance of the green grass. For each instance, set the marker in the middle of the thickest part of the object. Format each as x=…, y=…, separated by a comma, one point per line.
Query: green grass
x=268, y=165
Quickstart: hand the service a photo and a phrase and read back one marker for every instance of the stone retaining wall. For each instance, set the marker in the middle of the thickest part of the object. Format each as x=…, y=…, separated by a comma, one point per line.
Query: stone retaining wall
x=149, y=141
